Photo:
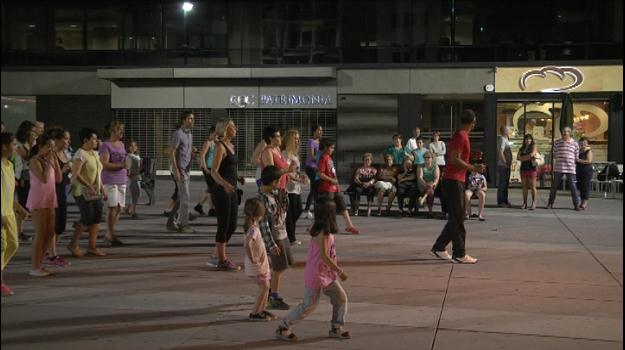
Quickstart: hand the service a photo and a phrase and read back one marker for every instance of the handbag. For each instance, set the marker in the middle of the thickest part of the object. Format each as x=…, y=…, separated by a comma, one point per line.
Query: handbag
x=538, y=160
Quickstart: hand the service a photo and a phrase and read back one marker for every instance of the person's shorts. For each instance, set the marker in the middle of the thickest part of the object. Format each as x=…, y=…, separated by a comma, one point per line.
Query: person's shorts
x=210, y=182
x=528, y=174
x=385, y=186
x=261, y=279
x=116, y=195
x=338, y=199
x=282, y=261
x=90, y=211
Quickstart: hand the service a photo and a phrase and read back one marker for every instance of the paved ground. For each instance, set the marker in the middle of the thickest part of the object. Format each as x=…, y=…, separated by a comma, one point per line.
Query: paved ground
x=545, y=280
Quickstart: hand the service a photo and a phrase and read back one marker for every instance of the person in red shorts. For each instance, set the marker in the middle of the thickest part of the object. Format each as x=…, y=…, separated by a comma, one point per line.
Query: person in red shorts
x=459, y=152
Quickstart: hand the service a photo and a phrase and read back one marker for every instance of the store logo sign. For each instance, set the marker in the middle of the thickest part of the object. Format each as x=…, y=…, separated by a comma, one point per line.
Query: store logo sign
x=560, y=72
x=243, y=101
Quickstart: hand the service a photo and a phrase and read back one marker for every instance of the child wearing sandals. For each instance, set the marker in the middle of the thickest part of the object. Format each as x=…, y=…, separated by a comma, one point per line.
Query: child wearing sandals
x=321, y=274
x=256, y=260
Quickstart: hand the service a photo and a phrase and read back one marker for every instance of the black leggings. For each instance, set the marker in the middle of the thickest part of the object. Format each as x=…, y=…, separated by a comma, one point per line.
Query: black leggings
x=292, y=215
x=61, y=209
x=314, y=184
x=226, y=206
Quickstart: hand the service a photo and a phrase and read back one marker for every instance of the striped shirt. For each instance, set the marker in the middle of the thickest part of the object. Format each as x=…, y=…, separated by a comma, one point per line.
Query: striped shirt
x=564, y=155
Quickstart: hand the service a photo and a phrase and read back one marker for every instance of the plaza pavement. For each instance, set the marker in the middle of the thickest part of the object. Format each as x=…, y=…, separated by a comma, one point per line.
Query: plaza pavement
x=548, y=279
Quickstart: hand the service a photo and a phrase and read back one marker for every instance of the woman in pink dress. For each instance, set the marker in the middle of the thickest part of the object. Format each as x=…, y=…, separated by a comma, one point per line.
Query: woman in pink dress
x=44, y=174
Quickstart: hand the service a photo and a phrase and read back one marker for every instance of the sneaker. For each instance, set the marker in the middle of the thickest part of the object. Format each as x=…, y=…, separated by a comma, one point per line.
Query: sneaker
x=294, y=243
x=285, y=334
x=352, y=230
x=258, y=317
x=309, y=215
x=6, y=291
x=199, y=209
x=269, y=315
x=172, y=227
x=466, y=259
x=339, y=333
x=55, y=261
x=25, y=238
x=40, y=273
x=212, y=212
x=193, y=217
x=443, y=255
x=134, y=216
x=213, y=261
x=277, y=304
x=186, y=229
x=228, y=265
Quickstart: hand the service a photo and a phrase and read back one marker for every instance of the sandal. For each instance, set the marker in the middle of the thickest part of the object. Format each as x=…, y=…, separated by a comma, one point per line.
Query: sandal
x=76, y=252
x=285, y=334
x=269, y=315
x=339, y=333
x=96, y=252
x=524, y=206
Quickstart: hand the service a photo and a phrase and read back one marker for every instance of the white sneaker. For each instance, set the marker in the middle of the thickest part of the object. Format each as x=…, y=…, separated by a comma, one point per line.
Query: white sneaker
x=443, y=255
x=309, y=215
x=213, y=261
x=466, y=259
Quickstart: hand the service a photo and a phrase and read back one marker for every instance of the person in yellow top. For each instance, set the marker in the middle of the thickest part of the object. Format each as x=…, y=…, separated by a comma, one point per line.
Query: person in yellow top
x=88, y=191
x=10, y=241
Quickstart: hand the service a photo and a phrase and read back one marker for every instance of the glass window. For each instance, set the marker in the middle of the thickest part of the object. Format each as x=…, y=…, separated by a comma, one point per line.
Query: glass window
x=590, y=119
x=103, y=28
x=16, y=109
x=174, y=26
x=25, y=27
x=68, y=26
x=141, y=27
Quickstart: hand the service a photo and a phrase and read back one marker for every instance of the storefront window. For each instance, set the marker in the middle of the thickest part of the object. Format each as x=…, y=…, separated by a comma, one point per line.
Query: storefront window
x=541, y=119
x=68, y=26
x=103, y=29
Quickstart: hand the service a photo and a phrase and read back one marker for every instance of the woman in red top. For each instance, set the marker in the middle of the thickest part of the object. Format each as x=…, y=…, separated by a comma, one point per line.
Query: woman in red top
x=272, y=155
x=329, y=183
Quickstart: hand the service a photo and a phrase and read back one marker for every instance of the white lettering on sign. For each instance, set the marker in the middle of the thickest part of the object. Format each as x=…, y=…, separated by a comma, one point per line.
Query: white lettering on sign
x=283, y=100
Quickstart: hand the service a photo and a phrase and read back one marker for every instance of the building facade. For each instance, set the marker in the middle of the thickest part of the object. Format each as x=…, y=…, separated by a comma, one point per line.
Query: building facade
x=399, y=65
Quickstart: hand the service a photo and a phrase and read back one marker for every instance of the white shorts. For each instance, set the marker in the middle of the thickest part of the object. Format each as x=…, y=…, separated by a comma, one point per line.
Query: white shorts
x=116, y=196
x=385, y=186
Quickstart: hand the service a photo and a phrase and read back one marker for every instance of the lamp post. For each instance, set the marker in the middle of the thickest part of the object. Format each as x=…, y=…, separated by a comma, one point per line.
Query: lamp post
x=186, y=7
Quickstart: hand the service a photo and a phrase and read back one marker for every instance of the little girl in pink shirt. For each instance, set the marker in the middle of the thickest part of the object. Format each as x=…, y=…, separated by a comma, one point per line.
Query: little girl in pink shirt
x=321, y=274
x=256, y=261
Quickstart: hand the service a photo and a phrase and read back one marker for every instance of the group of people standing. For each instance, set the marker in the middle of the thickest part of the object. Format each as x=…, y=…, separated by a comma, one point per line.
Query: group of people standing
x=40, y=171
x=572, y=160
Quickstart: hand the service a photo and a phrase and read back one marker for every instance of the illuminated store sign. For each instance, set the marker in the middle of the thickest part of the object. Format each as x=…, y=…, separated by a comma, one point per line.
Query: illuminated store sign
x=575, y=75
x=243, y=101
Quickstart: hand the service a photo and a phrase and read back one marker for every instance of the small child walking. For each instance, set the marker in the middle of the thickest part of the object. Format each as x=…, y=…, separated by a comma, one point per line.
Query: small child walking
x=256, y=260
x=321, y=274
x=133, y=164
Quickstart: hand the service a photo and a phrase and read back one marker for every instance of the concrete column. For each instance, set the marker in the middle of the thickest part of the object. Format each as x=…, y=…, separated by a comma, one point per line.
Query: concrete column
x=490, y=135
x=615, y=129
x=409, y=111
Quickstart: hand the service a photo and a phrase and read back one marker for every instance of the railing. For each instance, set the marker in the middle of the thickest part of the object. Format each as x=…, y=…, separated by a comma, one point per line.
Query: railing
x=314, y=55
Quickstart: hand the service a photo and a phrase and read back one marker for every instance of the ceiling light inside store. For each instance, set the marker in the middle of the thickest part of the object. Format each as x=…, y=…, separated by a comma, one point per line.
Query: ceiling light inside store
x=32, y=26
x=73, y=26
